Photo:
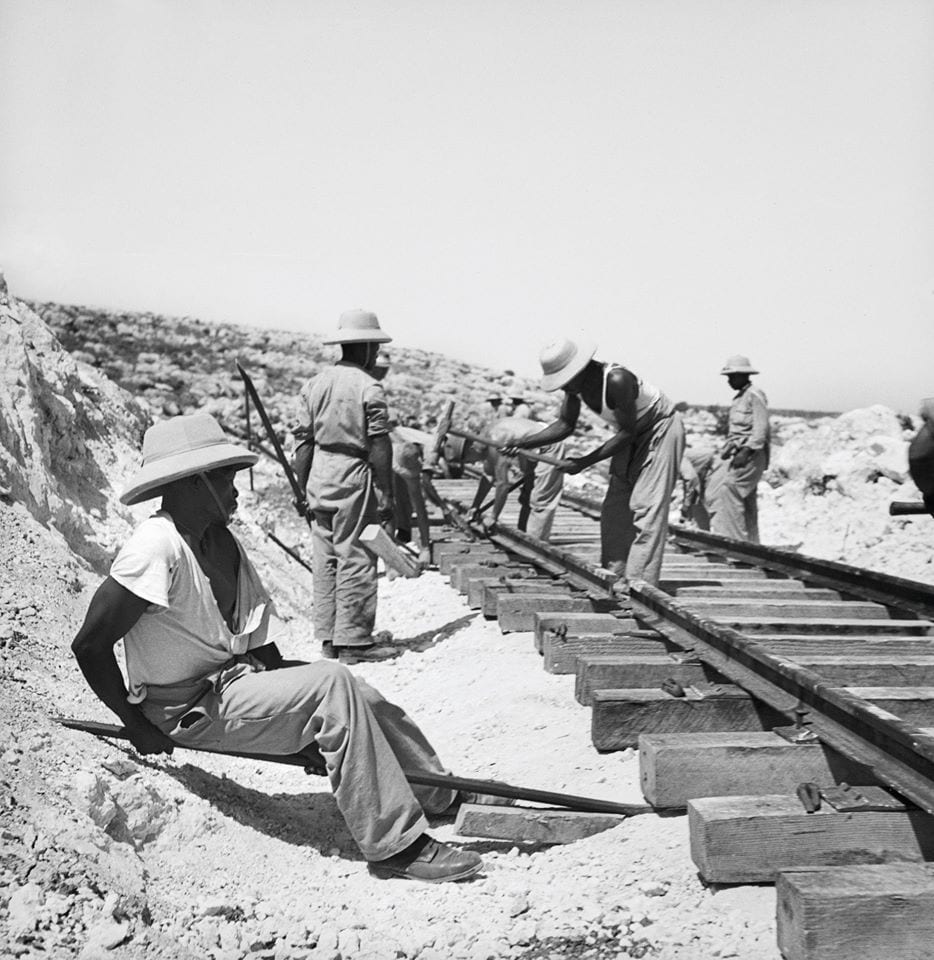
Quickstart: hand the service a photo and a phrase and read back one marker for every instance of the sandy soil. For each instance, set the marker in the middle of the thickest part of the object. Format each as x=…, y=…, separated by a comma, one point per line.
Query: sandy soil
x=198, y=856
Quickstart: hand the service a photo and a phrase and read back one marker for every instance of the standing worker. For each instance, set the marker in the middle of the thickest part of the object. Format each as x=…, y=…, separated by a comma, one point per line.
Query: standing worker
x=921, y=455
x=645, y=450
x=344, y=455
x=542, y=484
x=732, y=488
x=696, y=465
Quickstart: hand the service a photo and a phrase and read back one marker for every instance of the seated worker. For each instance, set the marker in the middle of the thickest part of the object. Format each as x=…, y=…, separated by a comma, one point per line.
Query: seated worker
x=203, y=669
x=696, y=465
x=542, y=483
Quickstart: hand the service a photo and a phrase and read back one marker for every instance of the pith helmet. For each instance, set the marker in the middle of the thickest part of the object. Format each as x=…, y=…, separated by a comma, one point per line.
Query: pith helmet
x=181, y=447
x=562, y=360
x=737, y=364
x=358, y=326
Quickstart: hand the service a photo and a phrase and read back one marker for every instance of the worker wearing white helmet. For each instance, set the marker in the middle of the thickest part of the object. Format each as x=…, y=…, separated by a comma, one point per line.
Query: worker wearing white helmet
x=731, y=497
x=644, y=452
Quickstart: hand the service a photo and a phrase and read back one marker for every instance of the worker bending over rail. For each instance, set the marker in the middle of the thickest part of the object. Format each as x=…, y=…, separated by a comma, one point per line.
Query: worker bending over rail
x=542, y=483
x=732, y=489
x=203, y=669
x=645, y=452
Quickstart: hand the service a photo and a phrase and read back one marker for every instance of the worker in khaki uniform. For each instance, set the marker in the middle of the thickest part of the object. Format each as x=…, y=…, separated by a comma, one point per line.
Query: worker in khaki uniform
x=542, y=483
x=645, y=452
x=344, y=455
x=921, y=455
x=696, y=465
x=731, y=496
x=408, y=468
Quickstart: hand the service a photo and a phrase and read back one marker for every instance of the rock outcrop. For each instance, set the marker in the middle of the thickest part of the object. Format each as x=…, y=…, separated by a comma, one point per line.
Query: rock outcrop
x=68, y=435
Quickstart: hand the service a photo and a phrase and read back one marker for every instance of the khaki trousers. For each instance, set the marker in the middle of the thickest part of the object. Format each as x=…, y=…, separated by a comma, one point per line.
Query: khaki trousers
x=634, y=519
x=539, y=497
x=344, y=573
x=732, y=498
x=321, y=709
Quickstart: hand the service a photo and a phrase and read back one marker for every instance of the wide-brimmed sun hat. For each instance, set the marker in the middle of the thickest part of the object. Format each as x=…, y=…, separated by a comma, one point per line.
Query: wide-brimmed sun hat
x=562, y=360
x=737, y=364
x=358, y=326
x=181, y=447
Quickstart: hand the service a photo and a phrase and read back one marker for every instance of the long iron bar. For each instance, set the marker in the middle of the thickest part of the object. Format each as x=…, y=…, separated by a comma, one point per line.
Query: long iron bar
x=425, y=778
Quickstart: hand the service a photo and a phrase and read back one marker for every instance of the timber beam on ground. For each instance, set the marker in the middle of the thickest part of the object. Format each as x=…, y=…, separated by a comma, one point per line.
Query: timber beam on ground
x=531, y=824
x=619, y=717
x=900, y=754
x=462, y=572
x=751, y=839
x=589, y=577
x=609, y=666
x=492, y=591
x=577, y=624
x=678, y=767
x=562, y=653
x=883, y=912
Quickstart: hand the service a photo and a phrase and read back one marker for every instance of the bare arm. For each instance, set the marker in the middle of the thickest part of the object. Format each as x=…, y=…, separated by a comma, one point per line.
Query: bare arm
x=622, y=389
x=111, y=614
x=381, y=462
x=501, y=479
x=301, y=464
x=559, y=429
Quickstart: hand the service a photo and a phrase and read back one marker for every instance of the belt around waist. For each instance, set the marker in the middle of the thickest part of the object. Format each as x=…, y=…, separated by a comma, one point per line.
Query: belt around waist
x=346, y=449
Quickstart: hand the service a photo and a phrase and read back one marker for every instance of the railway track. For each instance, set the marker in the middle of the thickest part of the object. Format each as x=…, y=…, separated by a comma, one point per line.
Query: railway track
x=786, y=702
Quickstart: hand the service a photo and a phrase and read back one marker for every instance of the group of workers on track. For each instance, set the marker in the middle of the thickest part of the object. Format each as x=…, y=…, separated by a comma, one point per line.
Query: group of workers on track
x=203, y=667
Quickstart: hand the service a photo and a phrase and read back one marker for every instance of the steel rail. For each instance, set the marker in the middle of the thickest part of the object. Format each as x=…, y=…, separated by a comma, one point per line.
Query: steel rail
x=590, y=577
x=906, y=595
x=900, y=754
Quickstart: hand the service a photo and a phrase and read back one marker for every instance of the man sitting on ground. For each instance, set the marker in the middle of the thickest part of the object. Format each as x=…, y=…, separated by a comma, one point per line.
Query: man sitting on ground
x=203, y=669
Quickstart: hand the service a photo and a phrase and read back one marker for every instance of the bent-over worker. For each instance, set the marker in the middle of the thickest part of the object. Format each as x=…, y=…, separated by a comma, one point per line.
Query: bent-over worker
x=344, y=456
x=203, y=669
x=542, y=483
x=644, y=452
x=732, y=497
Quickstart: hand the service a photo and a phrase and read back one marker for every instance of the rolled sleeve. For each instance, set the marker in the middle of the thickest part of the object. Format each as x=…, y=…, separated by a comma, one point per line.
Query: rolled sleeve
x=376, y=411
x=759, y=432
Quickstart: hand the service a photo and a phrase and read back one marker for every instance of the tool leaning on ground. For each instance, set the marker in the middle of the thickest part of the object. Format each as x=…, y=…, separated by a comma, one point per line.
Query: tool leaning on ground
x=493, y=788
x=373, y=535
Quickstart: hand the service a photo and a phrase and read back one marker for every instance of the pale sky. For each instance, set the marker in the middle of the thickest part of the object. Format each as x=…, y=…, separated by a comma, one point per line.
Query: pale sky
x=678, y=181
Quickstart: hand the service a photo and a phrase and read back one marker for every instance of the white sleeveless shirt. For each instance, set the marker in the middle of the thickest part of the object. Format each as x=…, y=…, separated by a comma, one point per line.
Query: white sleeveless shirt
x=651, y=404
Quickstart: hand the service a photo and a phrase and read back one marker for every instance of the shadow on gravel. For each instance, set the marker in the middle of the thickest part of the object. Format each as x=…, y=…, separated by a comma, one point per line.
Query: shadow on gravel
x=425, y=641
x=302, y=819
x=434, y=636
